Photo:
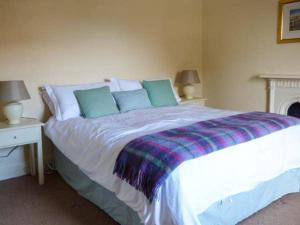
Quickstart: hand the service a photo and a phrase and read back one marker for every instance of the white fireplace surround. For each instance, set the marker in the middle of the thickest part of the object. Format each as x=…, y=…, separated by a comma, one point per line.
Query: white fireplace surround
x=284, y=90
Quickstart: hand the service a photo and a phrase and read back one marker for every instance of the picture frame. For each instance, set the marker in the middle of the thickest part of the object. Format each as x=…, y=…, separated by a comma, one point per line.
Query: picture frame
x=288, y=21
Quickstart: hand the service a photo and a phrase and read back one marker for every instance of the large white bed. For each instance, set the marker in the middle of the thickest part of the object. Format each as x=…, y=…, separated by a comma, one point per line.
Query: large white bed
x=94, y=144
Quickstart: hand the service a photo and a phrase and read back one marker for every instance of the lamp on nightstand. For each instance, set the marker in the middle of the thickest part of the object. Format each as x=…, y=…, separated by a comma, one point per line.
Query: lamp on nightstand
x=12, y=92
x=188, y=78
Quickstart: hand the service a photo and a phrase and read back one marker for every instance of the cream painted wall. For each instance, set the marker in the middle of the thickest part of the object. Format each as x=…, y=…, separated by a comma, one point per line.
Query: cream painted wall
x=79, y=41
x=239, y=42
x=75, y=41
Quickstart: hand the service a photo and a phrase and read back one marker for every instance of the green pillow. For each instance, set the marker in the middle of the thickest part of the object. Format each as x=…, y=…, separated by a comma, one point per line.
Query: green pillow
x=160, y=92
x=131, y=100
x=96, y=102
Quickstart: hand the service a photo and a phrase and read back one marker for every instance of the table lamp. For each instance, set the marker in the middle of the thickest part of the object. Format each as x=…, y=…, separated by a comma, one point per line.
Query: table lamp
x=187, y=78
x=12, y=92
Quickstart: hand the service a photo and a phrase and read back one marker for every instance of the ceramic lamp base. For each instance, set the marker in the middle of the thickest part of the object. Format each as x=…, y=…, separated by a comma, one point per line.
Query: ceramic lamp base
x=13, y=112
x=189, y=91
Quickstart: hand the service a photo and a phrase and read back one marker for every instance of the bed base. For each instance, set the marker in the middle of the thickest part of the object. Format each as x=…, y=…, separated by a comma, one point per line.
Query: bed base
x=225, y=212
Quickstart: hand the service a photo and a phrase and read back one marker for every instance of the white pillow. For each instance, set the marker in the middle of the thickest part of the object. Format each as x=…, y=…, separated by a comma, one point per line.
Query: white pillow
x=64, y=102
x=127, y=85
x=178, y=99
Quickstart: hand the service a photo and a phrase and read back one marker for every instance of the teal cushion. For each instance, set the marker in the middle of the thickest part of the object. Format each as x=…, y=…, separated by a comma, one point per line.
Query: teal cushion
x=131, y=100
x=160, y=93
x=96, y=102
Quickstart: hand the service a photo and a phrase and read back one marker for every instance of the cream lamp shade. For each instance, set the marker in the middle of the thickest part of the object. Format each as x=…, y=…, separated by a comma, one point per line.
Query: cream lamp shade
x=188, y=78
x=12, y=92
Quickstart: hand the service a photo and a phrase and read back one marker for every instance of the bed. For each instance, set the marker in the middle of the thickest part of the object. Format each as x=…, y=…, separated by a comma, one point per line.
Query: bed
x=223, y=187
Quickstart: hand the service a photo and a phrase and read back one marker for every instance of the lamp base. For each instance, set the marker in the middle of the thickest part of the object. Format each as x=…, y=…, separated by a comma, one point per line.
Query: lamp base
x=188, y=91
x=13, y=112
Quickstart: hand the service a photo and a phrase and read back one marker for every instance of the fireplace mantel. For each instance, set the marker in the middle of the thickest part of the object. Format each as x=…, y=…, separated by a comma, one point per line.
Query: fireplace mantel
x=279, y=76
x=284, y=90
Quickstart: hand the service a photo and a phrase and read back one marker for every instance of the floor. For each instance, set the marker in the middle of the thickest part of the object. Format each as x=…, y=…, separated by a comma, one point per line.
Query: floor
x=23, y=202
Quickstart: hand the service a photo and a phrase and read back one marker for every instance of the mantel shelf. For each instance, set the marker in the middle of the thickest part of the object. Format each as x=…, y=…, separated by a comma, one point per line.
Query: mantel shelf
x=279, y=76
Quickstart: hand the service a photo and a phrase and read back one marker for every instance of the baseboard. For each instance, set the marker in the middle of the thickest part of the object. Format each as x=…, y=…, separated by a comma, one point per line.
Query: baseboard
x=17, y=164
x=13, y=170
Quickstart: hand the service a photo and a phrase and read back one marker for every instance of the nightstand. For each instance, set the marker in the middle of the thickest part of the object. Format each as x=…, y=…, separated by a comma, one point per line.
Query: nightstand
x=27, y=132
x=196, y=101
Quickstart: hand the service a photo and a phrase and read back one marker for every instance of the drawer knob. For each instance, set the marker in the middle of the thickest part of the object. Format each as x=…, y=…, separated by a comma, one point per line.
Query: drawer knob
x=15, y=137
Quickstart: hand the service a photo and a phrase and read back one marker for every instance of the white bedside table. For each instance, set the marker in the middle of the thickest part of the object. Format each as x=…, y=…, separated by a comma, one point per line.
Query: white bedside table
x=28, y=132
x=197, y=101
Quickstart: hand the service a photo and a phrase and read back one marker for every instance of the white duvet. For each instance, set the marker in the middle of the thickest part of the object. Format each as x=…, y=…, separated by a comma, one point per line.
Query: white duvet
x=93, y=145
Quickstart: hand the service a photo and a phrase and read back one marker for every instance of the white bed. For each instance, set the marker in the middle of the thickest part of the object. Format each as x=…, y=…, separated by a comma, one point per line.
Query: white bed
x=93, y=145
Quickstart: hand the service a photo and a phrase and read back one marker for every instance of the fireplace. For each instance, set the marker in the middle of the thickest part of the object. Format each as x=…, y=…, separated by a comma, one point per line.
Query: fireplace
x=284, y=94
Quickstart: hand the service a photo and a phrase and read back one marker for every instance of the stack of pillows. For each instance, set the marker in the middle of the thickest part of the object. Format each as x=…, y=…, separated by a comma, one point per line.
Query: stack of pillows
x=107, y=98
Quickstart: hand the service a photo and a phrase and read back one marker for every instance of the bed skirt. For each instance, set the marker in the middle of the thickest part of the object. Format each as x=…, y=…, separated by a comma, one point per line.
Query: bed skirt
x=229, y=211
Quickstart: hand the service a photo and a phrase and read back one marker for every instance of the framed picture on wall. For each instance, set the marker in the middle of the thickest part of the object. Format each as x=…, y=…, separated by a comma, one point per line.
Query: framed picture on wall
x=289, y=21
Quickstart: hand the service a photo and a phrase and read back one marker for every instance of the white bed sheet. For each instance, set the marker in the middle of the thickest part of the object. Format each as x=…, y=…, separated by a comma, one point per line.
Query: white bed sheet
x=93, y=145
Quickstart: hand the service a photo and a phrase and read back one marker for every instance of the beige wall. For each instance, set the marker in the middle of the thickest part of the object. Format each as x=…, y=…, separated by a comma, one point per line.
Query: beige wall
x=79, y=41
x=239, y=42
x=76, y=41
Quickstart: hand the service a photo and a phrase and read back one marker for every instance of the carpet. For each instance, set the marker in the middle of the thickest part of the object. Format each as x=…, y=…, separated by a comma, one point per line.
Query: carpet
x=24, y=202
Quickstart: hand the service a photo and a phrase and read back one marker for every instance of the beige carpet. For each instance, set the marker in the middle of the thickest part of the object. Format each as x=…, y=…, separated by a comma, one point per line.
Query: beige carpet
x=24, y=202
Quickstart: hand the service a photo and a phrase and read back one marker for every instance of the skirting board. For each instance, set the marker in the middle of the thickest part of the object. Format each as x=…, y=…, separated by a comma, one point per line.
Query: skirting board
x=13, y=170
x=17, y=164
x=13, y=164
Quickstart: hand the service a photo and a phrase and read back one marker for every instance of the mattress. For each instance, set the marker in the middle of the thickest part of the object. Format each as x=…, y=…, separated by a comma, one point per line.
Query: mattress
x=93, y=146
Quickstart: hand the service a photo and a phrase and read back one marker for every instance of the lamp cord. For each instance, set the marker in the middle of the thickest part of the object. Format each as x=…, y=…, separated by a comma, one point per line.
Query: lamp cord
x=9, y=153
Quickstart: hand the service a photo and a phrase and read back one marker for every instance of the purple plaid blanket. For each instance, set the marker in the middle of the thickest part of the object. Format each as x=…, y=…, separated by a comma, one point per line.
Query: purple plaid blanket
x=146, y=162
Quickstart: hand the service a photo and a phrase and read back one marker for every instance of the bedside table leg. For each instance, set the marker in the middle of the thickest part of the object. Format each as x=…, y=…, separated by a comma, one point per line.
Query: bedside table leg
x=32, y=160
x=40, y=162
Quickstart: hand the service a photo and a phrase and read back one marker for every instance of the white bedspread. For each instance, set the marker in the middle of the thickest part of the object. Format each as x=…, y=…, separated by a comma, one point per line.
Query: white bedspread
x=93, y=145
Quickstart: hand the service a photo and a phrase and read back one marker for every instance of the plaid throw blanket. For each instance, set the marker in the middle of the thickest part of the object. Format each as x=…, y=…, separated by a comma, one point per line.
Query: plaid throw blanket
x=146, y=162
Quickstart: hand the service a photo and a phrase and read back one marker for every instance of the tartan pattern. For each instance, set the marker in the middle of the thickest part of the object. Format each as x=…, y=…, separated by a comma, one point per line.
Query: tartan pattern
x=146, y=162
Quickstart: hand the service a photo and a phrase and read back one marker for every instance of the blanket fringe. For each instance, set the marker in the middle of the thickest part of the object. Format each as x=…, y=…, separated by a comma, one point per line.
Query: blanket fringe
x=137, y=178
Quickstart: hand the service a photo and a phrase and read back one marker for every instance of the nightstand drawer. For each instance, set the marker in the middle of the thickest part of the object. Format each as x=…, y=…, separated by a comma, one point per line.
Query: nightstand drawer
x=19, y=136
